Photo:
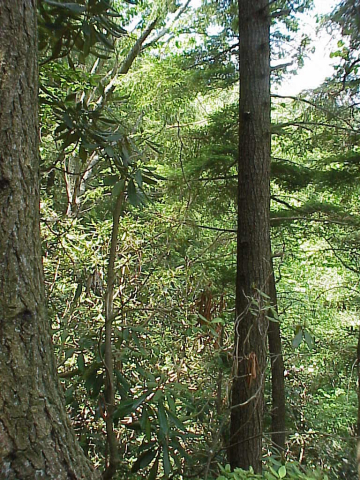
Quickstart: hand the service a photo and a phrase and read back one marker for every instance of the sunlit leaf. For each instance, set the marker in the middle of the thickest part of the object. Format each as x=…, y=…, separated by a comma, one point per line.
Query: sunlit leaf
x=282, y=471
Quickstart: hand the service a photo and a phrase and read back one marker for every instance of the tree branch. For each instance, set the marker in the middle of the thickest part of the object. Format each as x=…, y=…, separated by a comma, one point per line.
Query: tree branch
x=136, y=49
x=281, y=66
x=166, y=30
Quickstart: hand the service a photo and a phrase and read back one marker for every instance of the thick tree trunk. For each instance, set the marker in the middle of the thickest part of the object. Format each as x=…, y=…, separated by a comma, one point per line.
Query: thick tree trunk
x=36, y=439
x=277, y=375
x=253, y=258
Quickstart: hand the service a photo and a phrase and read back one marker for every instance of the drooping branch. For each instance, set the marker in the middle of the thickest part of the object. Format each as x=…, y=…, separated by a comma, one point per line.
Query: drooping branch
x=312, y=104
x=277, y=128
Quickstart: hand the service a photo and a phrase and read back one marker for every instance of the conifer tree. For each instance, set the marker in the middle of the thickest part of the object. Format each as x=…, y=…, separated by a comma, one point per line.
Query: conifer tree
x=36, y=437
x=253, y=243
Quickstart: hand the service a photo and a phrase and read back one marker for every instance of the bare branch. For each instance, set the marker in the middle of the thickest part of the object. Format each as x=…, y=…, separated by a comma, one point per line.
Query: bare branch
x=136, y=49
x=281, y=66
x=166, y=30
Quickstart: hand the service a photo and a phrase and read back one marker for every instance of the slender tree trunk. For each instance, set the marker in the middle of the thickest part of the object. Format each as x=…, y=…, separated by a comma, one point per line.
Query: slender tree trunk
x=277, y=375
x=36, y=439
x=113, y=460
x=253, y=243
x=358, y=413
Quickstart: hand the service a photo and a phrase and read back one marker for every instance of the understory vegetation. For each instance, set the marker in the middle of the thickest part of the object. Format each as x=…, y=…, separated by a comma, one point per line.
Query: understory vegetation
x=139, y=143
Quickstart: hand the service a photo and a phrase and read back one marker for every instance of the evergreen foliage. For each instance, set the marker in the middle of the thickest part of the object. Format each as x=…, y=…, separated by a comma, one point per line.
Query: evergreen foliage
x=139, y=102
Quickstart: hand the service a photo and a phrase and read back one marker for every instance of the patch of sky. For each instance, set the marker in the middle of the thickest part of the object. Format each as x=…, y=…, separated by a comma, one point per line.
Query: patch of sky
x=317, y=64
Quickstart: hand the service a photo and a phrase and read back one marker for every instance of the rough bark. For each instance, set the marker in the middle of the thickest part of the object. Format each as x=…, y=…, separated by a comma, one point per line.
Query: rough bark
x=278, y=413
x=253, y=241
x=36, y=439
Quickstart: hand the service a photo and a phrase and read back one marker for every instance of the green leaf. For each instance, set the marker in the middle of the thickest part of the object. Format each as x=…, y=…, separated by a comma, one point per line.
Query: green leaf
x=175, y=420
x=144, y=460
x=104, y=40
x=86, y=28
x=132, y=194
x=148, y=429
x=110, y=151
x=308, y=339
x=98, y=383
x=163, y=420
x=125, y=408
x=273, y=472
x=154, y=470
x=218, y=320
x=70, y=62
x=69, y=353
x=123, y=381
x=129, y=406
x=171, y=403
x=57, y=48
x=69, y=395
x=144, y=418
x=90, y=380
x=166, y=460
x=297, y=339
x=118, y=188
x=282, y=471
x=138, y=178
x=64, y=336
x=67, y=120
x=110, y=180
x=149, y=180
x=77, y=292
x=81, y=362
x=114, y=137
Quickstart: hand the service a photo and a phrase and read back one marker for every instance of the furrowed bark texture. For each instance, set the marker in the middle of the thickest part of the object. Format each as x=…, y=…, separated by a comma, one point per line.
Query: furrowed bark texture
x=253, y=244
x=36, y=439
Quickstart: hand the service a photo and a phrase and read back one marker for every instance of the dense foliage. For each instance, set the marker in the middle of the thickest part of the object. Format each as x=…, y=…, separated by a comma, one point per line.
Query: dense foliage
x=139, y=115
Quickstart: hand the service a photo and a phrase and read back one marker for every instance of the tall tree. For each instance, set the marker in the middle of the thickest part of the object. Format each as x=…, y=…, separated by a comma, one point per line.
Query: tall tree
x=253, y=244
x=36, y=437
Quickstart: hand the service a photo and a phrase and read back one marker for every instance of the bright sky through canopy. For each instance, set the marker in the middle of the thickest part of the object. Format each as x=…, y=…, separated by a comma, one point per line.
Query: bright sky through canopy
x=319, y=65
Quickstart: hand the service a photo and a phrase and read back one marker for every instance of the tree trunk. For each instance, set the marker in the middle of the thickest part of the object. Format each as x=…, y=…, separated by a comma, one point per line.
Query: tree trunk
x=36, y=439
x=277, y=375
x=358, y=412
x=253, y=242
